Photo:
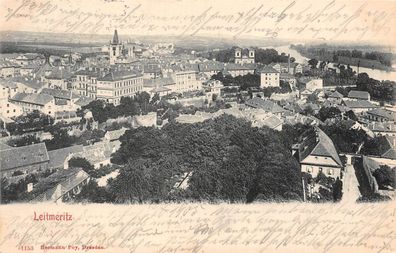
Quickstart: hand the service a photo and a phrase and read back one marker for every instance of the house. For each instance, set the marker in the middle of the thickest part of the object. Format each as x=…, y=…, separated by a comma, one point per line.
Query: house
x=114, y=138
x=390, y=152
x=32, y=101
x=235, y=69
x=8, y=69
x=360, y=95
x=245, y=55
x=60, y=186
x=25, y=84
x=9, y=110
x=62, y=97
x=290, y=79
x=269, y=77
x=211, y=67
x=187, y=81
x=84, y=82
x=59, y=157
x=358, y=106
x=381, y=115
x=314, y=84
x=152, y=71
x=117, y=84
x=26, y=160
x=316, y=153
x=335, y=97
x=98, y=154
x=30, y=58
x=382, y=128
x=60, y=78
x=148, y=120
x=291, y=68
x=161, y=86
x=266, y=105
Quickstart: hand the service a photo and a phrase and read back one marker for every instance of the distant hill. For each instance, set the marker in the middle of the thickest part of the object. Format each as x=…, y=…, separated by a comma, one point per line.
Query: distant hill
x=192, y=42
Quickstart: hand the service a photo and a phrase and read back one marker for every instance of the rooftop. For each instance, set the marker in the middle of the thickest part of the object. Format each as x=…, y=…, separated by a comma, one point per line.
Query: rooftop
x=33, y=98
x=359, y=94
x=15, y=157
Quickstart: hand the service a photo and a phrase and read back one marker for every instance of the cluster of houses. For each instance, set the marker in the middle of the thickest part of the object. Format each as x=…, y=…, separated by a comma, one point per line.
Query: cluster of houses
x=58, y=86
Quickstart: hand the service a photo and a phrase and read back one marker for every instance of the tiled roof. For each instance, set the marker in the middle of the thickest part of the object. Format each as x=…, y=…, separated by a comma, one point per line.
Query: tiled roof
x=358, y=104
x=58, y=184
x=157, y=82
x=115, y=134
x=83, y=100
x=235, y=66
x=33, y=83
x=60, y=74
x=97, y=152
x=159, y=89
x=62, y=94
x=316, y=142
x=336, y=94
x=268, y=69
x=23, y=156
x=359, y=94
x=211, y=66
x=382, y=127
x=390, y=115
x=266, y=105
x=119, y=75
x=58, y=156
x=32, y=98
x=325, y=147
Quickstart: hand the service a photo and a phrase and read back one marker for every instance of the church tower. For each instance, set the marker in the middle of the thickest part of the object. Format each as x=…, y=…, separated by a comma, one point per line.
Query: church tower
x=115, y=49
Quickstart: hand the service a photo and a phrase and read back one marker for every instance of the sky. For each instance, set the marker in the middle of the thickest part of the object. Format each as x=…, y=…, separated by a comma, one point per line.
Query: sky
x=327, y=20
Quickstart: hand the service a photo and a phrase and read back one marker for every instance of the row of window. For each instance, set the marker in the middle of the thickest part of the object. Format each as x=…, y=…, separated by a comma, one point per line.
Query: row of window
x=127, y=83
x=328, y=171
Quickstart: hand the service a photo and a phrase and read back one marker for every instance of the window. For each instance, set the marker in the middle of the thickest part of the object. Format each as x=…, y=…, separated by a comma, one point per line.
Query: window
x=330, y=171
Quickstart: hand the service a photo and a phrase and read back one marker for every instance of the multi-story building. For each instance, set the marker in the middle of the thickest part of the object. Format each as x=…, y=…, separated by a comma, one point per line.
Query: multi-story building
x=85, y=83
x=32, y=101
x=187, y=81
x=316, y=153
x=269, y=77
x=117, y=84
x=239, y=69
x=243, y=56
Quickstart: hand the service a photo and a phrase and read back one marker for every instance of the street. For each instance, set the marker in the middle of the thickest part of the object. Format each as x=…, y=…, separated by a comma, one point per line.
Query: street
x=350, y=186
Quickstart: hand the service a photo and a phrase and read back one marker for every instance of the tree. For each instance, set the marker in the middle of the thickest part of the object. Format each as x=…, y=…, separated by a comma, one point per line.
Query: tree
x=337, y=190
x=385, y=176
x=80, y=162
x=351, y=115
x=313, y=63
x=329, y=113
x=92, y=193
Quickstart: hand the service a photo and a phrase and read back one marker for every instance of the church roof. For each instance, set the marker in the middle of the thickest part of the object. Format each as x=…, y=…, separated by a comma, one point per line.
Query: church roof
x=115, y=40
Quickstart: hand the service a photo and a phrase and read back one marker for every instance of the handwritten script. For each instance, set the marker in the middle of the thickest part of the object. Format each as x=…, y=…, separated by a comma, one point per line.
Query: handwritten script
x=327, y=20
x=207, y=228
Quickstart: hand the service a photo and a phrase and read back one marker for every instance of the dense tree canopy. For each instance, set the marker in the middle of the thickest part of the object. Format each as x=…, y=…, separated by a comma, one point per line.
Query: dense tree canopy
x=226, y=157
x=129, y=106
x=379, y=90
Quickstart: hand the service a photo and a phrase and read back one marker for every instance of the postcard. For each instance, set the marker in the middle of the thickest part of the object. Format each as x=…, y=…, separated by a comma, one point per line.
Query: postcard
x=197, y=126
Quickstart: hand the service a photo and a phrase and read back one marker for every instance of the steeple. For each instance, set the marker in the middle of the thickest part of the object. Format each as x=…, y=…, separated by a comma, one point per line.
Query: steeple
x=115, y=40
